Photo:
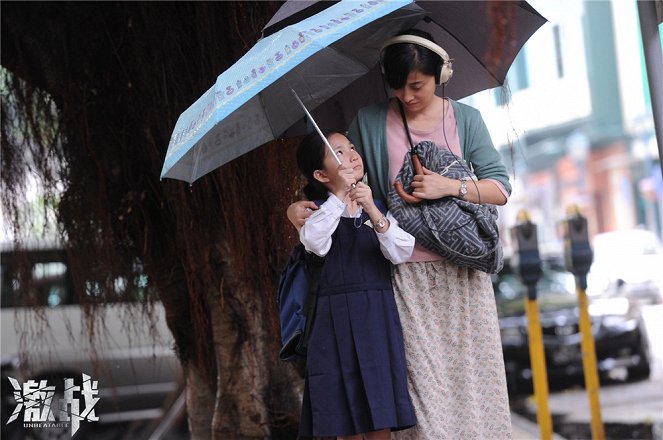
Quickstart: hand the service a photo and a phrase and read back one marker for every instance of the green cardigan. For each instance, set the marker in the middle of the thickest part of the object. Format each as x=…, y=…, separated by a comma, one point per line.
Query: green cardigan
x=368, y=132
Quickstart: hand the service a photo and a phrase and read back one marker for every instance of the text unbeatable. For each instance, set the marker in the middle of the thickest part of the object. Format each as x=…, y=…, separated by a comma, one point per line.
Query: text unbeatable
x=46, y=425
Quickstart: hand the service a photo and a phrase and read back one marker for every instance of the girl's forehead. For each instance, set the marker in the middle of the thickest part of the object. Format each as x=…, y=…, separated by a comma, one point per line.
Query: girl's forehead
x=339, y=140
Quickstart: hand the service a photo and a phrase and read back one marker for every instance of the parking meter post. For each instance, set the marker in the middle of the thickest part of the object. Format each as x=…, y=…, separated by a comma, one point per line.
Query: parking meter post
x=539, y=372
x=526, y=263
x=578, y=257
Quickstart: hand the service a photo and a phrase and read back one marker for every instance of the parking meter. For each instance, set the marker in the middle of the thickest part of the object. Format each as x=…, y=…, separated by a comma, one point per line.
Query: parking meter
x=527, y=264
x=578, y=258
x=578, y=253
x=526, y=261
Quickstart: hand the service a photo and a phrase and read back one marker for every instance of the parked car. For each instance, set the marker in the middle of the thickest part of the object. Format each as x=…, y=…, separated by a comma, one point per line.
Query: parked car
x=617, y=325
x=45, y=336
x=627, y=263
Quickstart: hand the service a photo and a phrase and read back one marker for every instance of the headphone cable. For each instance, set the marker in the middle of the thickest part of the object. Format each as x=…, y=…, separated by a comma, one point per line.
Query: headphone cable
x=444, y=133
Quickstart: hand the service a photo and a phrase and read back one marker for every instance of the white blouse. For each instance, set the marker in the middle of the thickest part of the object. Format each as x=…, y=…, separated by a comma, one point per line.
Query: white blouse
x=316, y=234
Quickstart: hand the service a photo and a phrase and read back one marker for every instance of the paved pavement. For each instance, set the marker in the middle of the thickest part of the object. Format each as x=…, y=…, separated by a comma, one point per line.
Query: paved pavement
x=622, y=403
x=524, y=429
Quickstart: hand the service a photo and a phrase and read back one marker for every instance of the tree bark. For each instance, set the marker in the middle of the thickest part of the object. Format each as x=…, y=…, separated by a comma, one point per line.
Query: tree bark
x=199, y=403
x=241, y=410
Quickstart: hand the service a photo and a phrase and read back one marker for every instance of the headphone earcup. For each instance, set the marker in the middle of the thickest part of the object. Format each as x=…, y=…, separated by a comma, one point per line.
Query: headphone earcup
x=446, y=72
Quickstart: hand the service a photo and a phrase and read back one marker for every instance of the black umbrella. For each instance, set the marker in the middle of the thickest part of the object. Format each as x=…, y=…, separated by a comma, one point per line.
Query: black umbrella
x=482, y=37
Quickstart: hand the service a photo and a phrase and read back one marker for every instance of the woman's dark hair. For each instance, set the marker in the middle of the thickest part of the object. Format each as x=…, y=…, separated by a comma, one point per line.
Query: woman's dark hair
x=399, y=60
x=310, y=157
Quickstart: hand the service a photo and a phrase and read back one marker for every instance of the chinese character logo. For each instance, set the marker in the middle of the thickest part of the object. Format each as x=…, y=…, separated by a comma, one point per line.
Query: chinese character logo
x=35, y=399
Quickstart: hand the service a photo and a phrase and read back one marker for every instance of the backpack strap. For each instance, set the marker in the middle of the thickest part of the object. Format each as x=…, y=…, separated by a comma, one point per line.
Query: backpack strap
x=313, y=267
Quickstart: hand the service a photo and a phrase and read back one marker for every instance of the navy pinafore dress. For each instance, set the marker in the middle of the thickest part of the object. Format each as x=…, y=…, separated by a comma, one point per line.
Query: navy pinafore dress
x=356, y=376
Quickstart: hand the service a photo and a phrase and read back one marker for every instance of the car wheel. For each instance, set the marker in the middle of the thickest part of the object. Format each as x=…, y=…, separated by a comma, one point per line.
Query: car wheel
x=642, y=370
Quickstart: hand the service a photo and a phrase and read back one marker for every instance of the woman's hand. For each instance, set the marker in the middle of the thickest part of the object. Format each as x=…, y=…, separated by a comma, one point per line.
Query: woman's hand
x=432, y=186
x=298, y=212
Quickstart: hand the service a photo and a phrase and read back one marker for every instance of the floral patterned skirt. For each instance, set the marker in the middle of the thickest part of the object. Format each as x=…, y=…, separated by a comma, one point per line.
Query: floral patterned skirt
x=454, y=354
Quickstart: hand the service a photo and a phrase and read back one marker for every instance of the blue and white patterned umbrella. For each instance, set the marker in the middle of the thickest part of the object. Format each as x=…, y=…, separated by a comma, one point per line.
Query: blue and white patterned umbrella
x=251, y=103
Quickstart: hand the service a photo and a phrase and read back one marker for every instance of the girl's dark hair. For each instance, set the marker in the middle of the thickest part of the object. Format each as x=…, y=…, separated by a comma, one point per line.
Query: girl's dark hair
x=399, y=60
x=310, y=157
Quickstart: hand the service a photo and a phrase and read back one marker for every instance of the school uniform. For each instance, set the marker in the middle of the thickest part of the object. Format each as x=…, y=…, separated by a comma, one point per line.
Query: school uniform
x=356, y=375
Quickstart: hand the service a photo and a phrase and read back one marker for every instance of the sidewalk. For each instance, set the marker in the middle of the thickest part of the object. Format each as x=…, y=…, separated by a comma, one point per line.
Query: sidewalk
x=625, y=405
x=524, y=429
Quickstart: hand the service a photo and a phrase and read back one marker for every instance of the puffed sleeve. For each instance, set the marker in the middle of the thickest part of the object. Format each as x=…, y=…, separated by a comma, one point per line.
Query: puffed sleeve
x=319, y=227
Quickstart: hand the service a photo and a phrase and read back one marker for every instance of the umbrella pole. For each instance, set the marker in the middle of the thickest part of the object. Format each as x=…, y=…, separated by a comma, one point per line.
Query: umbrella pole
x=316, y=127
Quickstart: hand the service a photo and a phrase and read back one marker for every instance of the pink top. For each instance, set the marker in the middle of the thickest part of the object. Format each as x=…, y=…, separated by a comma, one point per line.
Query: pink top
x=398, y=146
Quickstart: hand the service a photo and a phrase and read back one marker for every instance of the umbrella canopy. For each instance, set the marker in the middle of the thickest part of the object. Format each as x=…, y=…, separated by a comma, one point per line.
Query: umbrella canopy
x=328, y=53
x=472, y=32
x=251, y=102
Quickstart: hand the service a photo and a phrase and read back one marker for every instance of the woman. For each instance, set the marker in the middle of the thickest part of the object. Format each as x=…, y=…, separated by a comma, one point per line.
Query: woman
x=452, y=339
x=356, y=377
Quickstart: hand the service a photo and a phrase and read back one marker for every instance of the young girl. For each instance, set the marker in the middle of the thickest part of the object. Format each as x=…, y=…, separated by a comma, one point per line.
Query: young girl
x=356, y=377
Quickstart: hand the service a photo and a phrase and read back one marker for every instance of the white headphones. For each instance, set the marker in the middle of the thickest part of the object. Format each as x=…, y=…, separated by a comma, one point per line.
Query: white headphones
x=446, y=70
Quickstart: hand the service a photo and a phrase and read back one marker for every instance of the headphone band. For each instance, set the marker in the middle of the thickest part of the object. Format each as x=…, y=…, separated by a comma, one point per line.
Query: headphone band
x=419, y=41
x=446, y=71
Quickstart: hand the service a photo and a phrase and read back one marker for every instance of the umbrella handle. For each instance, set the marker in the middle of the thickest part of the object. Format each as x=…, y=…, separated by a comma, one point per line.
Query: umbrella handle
x=398, y=185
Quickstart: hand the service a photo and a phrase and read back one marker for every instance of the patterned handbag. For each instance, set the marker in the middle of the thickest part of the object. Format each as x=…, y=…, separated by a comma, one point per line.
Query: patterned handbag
x=463, y=232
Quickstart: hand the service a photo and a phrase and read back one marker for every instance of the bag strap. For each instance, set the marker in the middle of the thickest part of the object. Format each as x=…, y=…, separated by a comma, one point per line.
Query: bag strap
x=312, y=268
x=407, y=129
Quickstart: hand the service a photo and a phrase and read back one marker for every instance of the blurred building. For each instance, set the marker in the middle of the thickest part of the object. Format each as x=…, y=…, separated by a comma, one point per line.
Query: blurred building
x=575, y=123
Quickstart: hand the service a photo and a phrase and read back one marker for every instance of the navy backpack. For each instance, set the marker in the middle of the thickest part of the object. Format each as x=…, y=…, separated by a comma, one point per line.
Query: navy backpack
x=296, y=300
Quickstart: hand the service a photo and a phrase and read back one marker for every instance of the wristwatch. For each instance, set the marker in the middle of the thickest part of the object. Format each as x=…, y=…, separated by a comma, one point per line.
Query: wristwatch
x=462, y=191
x=381, y=223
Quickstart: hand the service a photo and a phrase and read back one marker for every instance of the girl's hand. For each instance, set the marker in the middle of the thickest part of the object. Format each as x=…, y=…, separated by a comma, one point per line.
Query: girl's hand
x=298, y=212
x=432, y=186
x=342, y=182
x=363, y=195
